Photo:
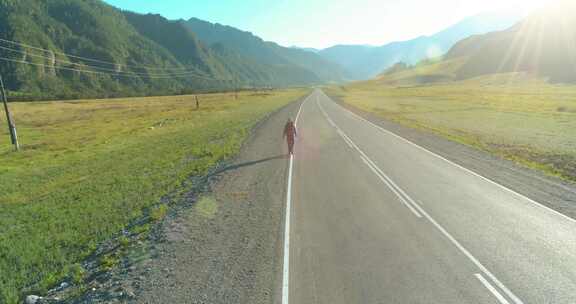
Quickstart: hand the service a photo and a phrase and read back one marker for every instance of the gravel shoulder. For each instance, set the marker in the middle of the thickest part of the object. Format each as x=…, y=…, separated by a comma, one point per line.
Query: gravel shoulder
x=550, y=191
x=226, y=248
x=224, y=244
x=219, y=241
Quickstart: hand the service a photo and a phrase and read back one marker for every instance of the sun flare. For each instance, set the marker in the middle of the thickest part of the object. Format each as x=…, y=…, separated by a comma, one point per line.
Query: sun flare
x=525, y=6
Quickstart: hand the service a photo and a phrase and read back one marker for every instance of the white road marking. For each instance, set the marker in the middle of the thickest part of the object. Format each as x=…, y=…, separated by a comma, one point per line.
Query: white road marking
x=286, y=265
x=348, y=142
x=470, y=256
x=286, y=272
x=405, y=198
x=491, y=288
x=370, y=164
x=457, y=165
x=367, y=161
x=300, y=110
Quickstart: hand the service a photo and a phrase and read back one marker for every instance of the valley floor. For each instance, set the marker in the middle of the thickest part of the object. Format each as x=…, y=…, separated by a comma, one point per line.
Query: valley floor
x=95, y=170
x=529, y=121
x=533, y=154
x=224, y=245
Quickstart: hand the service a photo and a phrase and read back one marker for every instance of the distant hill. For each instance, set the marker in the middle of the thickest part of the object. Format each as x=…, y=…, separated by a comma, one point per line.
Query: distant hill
x=365, y=62
x=84, y=49
x=359, y=60
x=313, y=50
x=544, y=44
x=271, y=53
x=425, y=72
x=216, y=58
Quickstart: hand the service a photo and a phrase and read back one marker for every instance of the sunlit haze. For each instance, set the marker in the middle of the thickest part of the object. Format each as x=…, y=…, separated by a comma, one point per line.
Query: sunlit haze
x=288, y=151
x=323, y=23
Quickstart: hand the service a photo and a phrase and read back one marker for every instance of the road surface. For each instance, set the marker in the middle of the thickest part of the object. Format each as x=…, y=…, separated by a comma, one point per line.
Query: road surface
x=374, y=218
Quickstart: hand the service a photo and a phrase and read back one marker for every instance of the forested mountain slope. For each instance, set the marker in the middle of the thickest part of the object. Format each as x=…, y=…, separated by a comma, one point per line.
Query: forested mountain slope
x=86, y=48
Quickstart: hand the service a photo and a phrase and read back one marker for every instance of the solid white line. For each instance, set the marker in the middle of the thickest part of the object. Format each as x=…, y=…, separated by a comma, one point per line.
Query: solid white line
x=491, y=288
x=286, y=264
x=286, y=272
x=300, y=110
x=347, y=142
x=457, y=165
x=402, y=200
x=465, y=251
x=371, y=164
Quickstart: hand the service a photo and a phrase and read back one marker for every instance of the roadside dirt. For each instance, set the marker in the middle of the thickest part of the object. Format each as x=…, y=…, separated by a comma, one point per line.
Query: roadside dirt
x=224, y=244
x=226, y=247
x=220, y=242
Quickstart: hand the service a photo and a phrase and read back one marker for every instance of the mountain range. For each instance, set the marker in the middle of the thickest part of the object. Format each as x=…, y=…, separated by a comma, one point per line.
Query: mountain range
x=253, y=47
x=542, y=45
x=87, y=48
x=364, y=62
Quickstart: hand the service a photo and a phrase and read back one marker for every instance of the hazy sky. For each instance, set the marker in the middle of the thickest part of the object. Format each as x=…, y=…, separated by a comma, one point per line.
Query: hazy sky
x=323, y=23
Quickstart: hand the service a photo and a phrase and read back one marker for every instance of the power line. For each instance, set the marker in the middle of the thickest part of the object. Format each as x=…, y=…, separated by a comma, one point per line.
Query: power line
x=113, y=71
x=181, y=74
x=105, y=71
x=88, y=59
x=96, y=70
x=110, y=74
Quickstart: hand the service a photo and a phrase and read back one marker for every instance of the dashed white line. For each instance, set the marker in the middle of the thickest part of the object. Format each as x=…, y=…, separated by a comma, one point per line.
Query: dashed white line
x=383, y=177
x=457, y=165
x=410, y=203
x=469, y=255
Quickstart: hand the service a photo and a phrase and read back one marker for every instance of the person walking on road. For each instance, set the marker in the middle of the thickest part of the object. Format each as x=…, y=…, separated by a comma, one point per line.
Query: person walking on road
x=290, y=134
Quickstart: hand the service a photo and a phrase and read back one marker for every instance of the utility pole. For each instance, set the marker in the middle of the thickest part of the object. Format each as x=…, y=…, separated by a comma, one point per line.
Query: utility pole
x=11, y=125
x=235, y=88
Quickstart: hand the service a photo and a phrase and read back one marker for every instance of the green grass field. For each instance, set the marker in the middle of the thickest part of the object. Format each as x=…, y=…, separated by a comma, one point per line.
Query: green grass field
x=519, y=118
x=89, y=167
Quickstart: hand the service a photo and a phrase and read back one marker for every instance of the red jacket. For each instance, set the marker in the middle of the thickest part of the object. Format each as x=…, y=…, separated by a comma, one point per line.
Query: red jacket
x=290, y=131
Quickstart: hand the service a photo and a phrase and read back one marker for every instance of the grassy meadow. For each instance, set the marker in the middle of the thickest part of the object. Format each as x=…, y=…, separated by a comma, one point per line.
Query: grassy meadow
x=89, y=167
x=514, y=116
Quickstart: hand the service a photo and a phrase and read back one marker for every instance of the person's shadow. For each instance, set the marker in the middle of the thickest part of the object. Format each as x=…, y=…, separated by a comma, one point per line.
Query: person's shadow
x=246, y=164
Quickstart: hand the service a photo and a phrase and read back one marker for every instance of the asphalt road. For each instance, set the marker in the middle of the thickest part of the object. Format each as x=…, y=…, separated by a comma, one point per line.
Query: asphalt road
x=375, y=218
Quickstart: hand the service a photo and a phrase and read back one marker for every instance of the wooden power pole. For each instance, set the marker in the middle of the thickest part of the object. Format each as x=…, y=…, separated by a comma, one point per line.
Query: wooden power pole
x=11, y=125
x=235, y=88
